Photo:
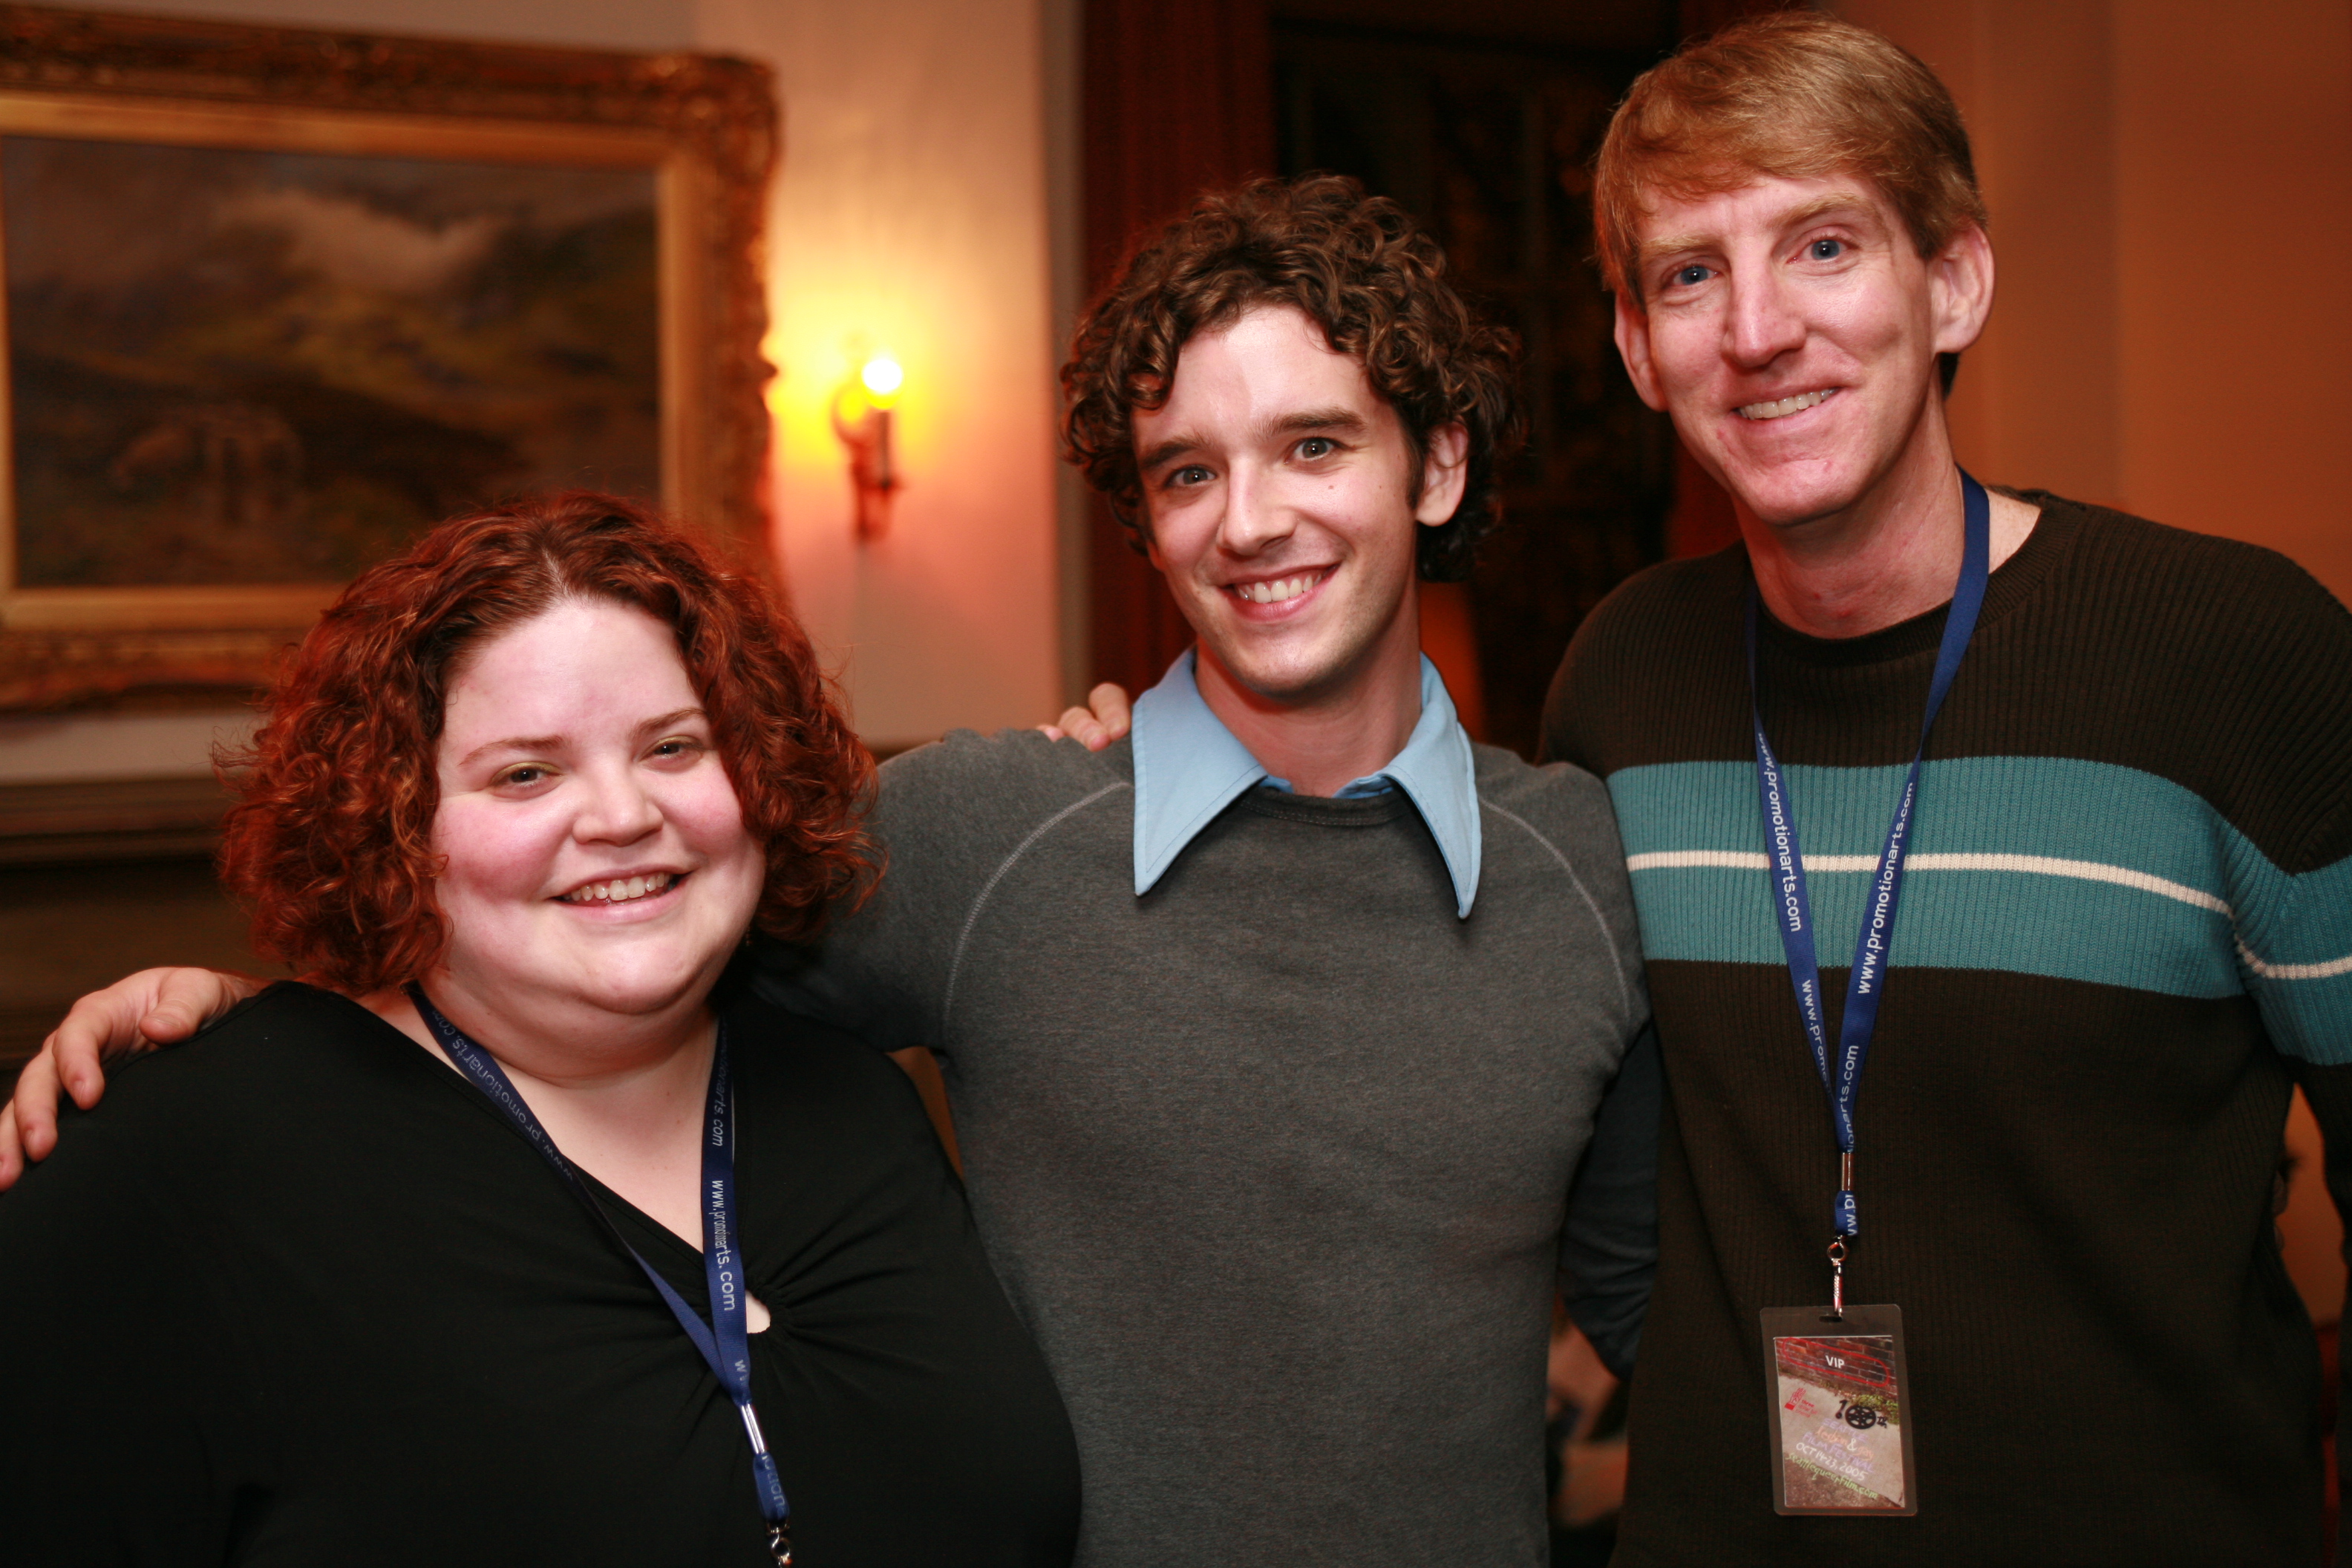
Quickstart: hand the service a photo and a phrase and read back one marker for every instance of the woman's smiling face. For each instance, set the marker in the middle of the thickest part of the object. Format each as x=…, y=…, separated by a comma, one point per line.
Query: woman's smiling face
x=594, y=850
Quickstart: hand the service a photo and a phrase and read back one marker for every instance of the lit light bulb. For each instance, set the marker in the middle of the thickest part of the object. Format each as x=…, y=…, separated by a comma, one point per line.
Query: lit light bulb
x=883, y=377
x=861, y=417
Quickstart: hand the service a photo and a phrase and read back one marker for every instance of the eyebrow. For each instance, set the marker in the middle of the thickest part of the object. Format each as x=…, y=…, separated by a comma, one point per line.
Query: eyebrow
x=1335, y=418
x=548, y=742
x=1174, y=446
x=1338, y=418
x=1796, y=217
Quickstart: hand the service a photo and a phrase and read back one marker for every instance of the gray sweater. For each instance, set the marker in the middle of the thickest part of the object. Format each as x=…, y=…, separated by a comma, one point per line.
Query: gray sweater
x=1275, y=1159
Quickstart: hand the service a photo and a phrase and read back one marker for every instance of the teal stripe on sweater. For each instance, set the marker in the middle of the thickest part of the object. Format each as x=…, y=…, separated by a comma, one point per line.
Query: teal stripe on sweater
x=2103, y=874
x=2305, y=936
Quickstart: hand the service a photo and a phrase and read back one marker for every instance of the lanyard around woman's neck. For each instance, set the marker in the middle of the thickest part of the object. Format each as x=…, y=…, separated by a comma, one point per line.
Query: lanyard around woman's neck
x=725, y=1341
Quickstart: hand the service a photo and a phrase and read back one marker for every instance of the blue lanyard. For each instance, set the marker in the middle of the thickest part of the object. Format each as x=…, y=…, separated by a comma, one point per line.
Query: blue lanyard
x=1843, y=1078
x=725, y=1341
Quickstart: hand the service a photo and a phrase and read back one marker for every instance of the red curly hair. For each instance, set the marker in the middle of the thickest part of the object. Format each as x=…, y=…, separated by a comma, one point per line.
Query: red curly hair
x=330, y=841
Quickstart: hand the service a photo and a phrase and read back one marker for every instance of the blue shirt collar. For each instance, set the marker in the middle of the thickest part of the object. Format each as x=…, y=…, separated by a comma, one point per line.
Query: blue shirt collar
x=1189, y=767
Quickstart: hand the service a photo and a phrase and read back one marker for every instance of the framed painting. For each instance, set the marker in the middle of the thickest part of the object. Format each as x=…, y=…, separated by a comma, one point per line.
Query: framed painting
x=277, y=299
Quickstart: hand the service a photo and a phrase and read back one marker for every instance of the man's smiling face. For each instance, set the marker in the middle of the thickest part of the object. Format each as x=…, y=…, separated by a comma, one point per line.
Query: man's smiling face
x=1279, y=490
x=1791, y=327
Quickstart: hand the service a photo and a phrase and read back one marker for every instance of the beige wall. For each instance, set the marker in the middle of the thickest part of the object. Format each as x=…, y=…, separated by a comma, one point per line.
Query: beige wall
x=912, y=216
x=911, y=213
x=2171, y=193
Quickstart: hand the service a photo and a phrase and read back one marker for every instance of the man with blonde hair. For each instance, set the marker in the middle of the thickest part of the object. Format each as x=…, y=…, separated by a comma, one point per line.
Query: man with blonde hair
x=2123, y=856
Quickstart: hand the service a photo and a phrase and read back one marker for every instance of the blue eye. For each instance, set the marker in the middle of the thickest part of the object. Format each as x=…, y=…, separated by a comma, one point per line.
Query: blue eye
x=1690, y=276
x=1827, y=250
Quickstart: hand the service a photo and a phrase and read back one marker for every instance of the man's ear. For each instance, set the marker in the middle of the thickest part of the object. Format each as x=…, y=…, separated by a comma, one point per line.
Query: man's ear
x=1960, y=285
x=1632, y=334
x=1445, y=474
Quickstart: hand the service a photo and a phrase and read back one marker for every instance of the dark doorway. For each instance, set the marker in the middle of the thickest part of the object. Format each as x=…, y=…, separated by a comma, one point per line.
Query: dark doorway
x=1485, y=133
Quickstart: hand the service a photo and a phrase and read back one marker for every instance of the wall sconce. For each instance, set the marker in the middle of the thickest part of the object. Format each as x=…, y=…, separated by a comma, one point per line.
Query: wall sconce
x=861, y=417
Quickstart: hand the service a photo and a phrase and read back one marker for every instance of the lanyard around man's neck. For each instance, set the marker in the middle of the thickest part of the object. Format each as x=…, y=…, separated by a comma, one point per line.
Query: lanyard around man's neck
x=1792, y=905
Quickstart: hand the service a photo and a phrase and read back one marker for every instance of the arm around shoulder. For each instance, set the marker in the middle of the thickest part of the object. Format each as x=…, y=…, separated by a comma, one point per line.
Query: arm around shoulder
x=153, y=1007
x=946, y=814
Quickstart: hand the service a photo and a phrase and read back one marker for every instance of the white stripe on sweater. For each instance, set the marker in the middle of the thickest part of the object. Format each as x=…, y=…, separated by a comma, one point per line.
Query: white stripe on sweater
x=2034, y=865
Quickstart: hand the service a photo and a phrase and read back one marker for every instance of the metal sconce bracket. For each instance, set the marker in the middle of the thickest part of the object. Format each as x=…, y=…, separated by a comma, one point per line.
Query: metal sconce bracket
x=861, y=417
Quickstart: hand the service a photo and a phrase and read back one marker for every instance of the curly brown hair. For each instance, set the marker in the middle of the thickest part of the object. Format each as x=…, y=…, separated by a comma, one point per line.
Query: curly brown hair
x=1356, y=264
x=330, y=841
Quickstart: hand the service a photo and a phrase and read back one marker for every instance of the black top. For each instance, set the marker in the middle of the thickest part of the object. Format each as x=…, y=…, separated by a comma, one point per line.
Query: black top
x=298, y=1293
x=2122, y=941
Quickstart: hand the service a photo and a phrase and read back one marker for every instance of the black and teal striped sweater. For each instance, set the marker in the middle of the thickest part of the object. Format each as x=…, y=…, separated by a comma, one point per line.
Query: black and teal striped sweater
x=2127, y=931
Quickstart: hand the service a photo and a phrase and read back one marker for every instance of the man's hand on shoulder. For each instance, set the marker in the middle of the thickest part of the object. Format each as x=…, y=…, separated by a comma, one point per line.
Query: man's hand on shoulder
x=138, y=1013
x=1108, y=716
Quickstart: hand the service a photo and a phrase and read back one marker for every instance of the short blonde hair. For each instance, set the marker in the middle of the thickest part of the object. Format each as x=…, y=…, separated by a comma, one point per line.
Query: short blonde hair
x=1796, y=95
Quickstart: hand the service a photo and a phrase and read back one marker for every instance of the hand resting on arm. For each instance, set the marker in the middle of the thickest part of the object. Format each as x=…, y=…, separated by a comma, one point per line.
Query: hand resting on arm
x=138, y=1013
x=1096, y=726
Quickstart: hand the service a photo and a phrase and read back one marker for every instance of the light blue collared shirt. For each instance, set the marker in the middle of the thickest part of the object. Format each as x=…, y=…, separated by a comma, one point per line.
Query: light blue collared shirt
x=1189, y=767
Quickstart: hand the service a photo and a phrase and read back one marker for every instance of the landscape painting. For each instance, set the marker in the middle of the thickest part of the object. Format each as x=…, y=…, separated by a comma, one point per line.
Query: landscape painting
x=230, y=366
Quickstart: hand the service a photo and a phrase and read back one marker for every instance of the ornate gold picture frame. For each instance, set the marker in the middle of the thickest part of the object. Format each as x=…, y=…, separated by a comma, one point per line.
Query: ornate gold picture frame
x=138, y=495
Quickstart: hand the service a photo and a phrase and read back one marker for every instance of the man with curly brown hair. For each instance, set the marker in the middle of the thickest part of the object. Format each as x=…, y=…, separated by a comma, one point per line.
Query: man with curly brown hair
x=1277, y=1034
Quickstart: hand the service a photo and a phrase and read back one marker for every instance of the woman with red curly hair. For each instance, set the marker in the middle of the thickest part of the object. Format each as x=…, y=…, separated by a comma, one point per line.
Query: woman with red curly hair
x=517, y=1233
